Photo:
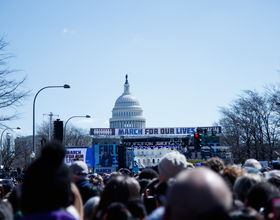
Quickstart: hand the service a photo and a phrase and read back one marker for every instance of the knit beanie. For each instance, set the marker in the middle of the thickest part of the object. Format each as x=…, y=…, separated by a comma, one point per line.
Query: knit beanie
x=47, y=183
x=171, y=164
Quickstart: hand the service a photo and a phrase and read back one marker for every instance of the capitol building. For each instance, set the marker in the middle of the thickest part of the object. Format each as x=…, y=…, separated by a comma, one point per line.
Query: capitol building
x=145, y=146
x=127, y=112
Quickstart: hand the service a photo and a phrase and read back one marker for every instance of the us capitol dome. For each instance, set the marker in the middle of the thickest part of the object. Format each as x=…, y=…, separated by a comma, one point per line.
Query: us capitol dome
x=127, y=112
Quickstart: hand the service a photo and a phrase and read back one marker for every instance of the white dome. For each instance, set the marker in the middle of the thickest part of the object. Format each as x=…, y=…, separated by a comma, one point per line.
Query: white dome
x=127, y=100
x=127, y=112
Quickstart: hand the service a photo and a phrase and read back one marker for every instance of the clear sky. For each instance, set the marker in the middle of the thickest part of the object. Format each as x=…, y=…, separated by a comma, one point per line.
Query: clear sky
x=184, y=58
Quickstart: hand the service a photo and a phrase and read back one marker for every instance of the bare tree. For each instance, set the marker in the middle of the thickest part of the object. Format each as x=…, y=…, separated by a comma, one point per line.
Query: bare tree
x=251, y=124
x=77, y=137
x=74, y=136
x=11, y=93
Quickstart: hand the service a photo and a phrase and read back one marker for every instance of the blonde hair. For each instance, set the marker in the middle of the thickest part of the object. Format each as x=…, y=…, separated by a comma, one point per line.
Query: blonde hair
x=77, y=200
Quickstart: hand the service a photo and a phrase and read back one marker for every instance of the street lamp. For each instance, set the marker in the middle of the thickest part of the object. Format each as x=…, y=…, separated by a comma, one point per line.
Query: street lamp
x=65, y=86
x=64, y=130
x=1, y=142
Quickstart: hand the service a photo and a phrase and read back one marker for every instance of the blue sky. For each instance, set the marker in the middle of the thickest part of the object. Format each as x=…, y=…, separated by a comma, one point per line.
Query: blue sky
x=184, y=58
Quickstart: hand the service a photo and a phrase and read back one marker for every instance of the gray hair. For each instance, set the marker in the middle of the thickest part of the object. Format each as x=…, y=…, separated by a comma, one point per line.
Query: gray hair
x=253, y=163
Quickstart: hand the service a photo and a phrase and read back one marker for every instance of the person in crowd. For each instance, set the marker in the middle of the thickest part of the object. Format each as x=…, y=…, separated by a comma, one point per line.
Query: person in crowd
x=243, y=184
x=14, y=200
x=96, y=179
x=275, y=165
x=273, y=177
x=149, y=197
x=6, y=212
x=230, y=174
x=246, y=213
x=215, y=163
x=46, y=189
x=252, y=163
x=90, y=206
x=160, y=196
x=106, y=160
x=170, y=165
x=137, y=209
x=79, y=170
x=76, y=207
x=119, y=188
x=117, y=210
x=265, y=170
x=145, y=177
x=260, y=194
x=271, y=211
x=148, y=174
x=198, y=194
x=8, y=186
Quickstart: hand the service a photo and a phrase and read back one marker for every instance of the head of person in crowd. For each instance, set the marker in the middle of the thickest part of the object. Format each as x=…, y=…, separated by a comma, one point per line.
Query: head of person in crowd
x=8, y=186
x=125, y=171
x=198, y=194
x=252, y=163
x=215, y=163
x=275, y=165
x=273, y=177
x=246, y=213
x=170, y=165
x=148, y=174
x=243, y=184
x=117, y=210
x=47, y=182
x=260, y=194
x=143, y=184
x=149, y=195
x=90, y=206
x=119, y=188
x=137, y=209
x=79, y=170
x=230, y=174
x=161, y=190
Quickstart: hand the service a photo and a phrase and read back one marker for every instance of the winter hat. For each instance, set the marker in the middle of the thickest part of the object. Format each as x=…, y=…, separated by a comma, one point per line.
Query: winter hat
x=47, y=183
x=79, y=169
x=171, y=164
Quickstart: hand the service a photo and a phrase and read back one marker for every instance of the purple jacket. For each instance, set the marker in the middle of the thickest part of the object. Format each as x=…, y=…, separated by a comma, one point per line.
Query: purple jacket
x=53, y=215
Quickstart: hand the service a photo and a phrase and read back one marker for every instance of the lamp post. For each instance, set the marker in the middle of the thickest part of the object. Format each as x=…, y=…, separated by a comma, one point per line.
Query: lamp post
x=65, y=86
x=64, y=130
x=1, y=142
x=8, y=137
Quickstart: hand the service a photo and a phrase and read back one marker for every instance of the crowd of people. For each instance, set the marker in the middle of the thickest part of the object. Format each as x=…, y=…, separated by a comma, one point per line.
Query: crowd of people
x=175, y=190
